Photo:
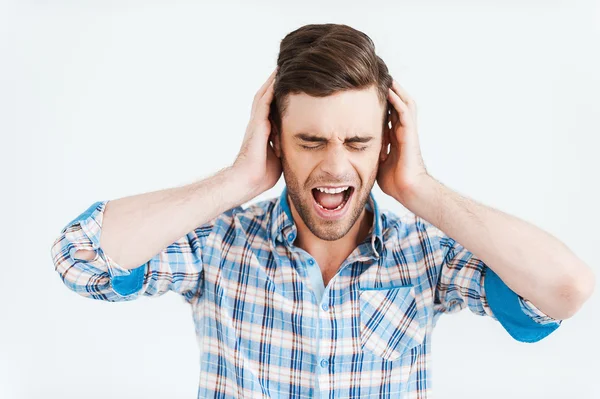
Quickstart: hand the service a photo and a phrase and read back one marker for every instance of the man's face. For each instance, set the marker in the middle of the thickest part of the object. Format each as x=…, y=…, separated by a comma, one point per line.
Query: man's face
x=326, y=142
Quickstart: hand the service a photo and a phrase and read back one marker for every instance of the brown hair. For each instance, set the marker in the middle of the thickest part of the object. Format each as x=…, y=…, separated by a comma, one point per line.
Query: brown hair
x=321, y=59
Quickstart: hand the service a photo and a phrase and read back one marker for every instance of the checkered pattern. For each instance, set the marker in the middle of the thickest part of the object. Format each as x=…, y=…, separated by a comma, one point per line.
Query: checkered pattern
x=262, y=331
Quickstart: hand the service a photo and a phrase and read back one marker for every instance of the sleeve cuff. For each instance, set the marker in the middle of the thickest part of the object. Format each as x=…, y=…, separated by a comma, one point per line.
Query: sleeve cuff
x=536, y=315
x=124, y=281
x=506, y=306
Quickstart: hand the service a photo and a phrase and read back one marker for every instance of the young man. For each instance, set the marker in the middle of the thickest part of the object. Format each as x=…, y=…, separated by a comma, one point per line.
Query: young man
x=319, y=292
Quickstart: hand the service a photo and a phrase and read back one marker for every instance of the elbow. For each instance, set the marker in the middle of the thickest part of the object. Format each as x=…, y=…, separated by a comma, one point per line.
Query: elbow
x=574, y=291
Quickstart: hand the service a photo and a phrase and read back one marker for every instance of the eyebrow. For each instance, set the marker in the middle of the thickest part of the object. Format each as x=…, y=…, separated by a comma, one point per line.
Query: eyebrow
x=318, y=139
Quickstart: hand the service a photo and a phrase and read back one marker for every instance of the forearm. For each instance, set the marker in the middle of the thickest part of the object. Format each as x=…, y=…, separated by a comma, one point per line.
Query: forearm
x=530, y=261
x=136, y=228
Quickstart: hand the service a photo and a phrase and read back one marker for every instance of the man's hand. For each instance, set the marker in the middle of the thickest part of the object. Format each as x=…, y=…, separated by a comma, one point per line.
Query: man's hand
x=256, y=159
x=402, y=170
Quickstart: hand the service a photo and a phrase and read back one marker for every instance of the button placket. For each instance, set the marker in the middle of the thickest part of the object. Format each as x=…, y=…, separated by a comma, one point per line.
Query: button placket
x=318, y=354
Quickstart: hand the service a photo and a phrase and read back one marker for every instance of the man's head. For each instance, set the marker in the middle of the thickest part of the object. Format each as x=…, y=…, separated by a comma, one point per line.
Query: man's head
x=328, y=117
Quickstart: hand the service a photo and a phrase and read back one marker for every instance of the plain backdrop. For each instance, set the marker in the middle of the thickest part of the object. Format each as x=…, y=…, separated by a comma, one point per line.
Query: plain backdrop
x=104, y=99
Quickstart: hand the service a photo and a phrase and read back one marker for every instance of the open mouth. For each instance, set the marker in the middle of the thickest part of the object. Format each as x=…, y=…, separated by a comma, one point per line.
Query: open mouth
x=331, y=202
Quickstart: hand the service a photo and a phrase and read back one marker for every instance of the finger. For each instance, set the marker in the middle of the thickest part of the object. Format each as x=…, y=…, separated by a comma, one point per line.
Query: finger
x=390, y=130
x=264, y=88
x=402, y=93
x=264, y=104
x=401, y=108
x=394, y=117
x=393, y=140
x=267, y=83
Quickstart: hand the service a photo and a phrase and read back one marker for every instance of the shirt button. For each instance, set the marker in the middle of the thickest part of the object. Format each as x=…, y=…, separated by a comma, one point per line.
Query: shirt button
x=291, y=237
x=325, y=307
x=311, y=262
x=324, y=363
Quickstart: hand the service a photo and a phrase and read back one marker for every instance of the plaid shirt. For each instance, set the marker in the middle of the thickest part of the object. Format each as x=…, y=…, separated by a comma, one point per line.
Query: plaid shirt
x=267, y=326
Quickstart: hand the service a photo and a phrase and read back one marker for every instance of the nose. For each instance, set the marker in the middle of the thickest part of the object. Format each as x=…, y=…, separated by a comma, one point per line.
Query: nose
x=336, y=162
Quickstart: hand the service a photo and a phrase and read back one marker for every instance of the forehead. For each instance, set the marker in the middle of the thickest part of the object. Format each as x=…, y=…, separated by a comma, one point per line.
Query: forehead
x=344, y=113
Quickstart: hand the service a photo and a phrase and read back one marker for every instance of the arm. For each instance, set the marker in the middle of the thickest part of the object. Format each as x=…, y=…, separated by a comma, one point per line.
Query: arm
x=153, y=242
x=87, y=268
x=136, y=228
x=465, y=281
x=533, y=263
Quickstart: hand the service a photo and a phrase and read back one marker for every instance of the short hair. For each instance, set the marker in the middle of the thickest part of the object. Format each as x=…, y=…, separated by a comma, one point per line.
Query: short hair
x=322, y=59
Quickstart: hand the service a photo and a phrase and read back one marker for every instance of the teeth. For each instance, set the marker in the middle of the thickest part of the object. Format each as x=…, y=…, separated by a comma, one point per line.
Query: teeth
x=332, y=190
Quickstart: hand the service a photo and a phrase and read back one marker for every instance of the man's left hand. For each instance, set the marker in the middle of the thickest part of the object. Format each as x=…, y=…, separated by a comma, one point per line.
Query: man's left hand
x=402, y=171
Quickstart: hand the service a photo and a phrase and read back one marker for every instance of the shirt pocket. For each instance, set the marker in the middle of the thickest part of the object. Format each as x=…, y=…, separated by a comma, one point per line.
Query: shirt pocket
x=390, y=321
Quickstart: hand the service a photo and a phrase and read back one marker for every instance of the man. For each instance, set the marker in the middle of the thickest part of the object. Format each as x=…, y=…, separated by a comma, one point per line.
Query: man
x=318, y=292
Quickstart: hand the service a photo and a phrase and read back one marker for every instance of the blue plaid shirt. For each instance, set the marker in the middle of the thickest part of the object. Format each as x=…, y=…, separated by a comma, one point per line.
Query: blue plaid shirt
x=267, y=326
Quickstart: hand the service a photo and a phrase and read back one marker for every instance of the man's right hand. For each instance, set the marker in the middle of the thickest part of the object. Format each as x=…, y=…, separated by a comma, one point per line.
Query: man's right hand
x=256, y=159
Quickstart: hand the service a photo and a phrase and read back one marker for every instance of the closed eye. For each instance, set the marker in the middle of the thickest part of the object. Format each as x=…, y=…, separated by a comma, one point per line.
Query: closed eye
x=314, y=147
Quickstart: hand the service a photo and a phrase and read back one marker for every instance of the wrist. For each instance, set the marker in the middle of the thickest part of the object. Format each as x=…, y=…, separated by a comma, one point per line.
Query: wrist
x=422, y=197
x=244, y=184
x=225, y=189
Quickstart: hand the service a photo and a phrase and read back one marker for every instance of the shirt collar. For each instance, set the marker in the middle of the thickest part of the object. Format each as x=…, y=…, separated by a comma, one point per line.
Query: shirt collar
x=283, y=226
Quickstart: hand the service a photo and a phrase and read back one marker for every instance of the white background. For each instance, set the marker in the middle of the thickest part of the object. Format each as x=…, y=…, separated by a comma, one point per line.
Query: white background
x=103, y=99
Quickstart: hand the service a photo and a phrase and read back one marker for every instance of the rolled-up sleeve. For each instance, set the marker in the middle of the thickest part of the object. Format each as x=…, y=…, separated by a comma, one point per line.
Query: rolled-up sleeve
x=534, y=313
x=519, y=316
x=466, y=281
x=178, y=267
